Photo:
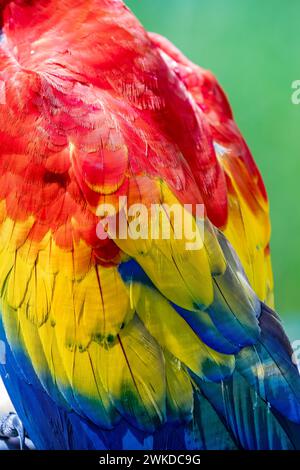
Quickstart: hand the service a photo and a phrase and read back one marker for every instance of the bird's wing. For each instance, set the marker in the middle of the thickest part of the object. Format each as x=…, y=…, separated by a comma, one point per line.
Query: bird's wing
x=143, y=330
x=248, y=225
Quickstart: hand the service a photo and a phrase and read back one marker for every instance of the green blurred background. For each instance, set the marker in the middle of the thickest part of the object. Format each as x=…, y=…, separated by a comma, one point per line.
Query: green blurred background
x=253, y=48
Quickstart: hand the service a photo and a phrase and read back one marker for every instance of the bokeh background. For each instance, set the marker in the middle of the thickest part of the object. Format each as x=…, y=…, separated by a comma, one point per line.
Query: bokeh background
x=253, y=48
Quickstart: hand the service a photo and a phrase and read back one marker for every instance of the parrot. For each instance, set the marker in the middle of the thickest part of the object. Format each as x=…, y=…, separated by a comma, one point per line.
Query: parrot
x=113, y=342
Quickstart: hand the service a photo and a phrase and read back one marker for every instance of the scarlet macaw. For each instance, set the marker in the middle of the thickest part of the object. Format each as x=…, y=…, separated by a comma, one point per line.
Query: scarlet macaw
x=131, y=343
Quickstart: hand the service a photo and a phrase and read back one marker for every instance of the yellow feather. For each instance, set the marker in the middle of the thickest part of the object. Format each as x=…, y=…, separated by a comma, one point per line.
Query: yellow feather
x=17, y=282
x=132, y=372
x=7, y=260
x=13, y=234
x=180, y=273
x=180, y=400
x=174, y=334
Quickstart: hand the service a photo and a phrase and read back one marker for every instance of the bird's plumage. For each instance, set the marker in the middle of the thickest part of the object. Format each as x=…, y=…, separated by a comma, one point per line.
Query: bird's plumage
x=131, y=343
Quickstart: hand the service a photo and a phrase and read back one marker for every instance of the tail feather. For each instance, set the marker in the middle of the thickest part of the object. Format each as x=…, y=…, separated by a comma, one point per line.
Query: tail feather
x=260, y=403
x=269, y=369
x=246, y=415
